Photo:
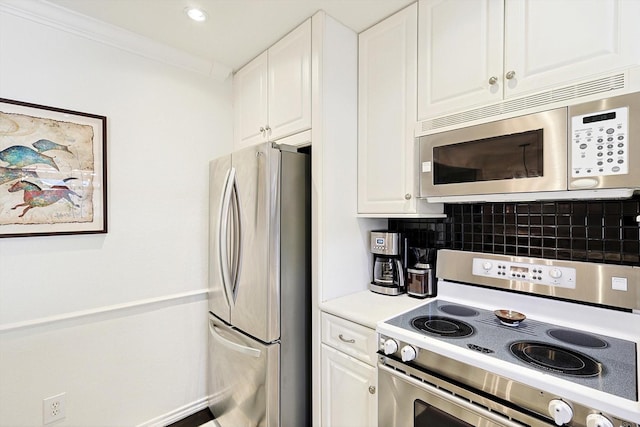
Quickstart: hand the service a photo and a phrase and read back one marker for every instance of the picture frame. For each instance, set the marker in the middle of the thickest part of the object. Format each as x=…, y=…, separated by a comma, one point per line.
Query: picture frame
x=53, y=171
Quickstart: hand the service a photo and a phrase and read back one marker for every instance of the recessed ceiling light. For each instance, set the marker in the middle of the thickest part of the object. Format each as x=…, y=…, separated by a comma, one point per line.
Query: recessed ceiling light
x=196, y=14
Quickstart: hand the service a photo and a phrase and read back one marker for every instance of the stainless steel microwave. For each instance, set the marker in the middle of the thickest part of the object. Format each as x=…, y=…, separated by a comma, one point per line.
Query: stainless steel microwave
x=589, y=150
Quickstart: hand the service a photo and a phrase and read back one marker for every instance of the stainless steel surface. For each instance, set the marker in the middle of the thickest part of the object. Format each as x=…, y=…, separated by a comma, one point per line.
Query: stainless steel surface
x=602, y=284
x=398, y=391
x=399, y=383
x=384, y=243
x=386, y=290
x=575, y=163
x=554, y=128
x=633, y=175
x=218, y=179
x=244, y=378
x=421, y=282
x=259, y=284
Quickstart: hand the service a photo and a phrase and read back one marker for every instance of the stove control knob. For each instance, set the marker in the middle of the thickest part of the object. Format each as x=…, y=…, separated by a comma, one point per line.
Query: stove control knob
x=555, y=273
x=408, y=353
x=389, y=346
x=487, y=265
x=598, y=420
x=560, y=411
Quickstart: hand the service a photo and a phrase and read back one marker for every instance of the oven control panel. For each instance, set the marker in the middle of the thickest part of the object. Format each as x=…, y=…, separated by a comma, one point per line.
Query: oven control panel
x=541, y=274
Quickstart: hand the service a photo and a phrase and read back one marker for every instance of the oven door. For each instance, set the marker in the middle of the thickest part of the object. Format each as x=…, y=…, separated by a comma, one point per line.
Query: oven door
x=404, y=401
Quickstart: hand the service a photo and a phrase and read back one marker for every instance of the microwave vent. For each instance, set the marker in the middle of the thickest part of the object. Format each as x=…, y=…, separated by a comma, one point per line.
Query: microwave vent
x=592, y=87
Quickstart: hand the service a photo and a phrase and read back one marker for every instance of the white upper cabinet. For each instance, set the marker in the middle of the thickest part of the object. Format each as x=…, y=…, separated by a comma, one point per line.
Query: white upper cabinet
x=460, y=50
x=474, y=53
x=272, y=93
x=550, y=43
x=387, y=152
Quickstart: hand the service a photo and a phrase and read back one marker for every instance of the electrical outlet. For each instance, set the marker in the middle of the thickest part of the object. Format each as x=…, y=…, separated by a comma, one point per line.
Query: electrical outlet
x=54, y=408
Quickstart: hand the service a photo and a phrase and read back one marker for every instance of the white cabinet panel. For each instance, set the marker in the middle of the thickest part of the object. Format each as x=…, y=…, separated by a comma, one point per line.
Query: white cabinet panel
x=550, y=43
x=250, y=100
x=349, y=395
x=290, y=83
x=474, y=54
x=460, y=49
x=272, y=93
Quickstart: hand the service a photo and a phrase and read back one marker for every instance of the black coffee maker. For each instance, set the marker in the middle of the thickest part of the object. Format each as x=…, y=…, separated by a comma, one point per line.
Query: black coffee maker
x=388, y=264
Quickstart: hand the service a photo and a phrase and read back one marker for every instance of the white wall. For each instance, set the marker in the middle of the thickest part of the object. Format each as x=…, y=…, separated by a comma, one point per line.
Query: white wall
x=146, y=359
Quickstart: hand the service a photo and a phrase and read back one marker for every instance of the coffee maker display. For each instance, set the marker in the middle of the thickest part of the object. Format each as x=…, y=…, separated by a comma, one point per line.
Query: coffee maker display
x=388, y=264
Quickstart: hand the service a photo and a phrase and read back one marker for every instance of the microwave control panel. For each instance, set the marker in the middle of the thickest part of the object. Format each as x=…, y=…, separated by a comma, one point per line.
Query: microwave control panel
x=540, y=274
x=600, y=143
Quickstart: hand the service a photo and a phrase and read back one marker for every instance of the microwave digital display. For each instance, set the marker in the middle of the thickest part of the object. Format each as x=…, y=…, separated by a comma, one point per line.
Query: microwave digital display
x=599, y=117
x=513, y=156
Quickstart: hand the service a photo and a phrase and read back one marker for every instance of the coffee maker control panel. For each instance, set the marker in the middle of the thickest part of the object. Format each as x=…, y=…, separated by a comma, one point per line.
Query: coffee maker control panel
x=385, y=243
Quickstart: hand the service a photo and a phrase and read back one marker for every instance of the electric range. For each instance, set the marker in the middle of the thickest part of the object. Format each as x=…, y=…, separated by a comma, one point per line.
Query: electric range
x=573, y=360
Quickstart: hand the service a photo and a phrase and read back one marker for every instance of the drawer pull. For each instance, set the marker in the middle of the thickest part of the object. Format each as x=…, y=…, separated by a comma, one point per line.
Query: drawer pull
x=351, y=341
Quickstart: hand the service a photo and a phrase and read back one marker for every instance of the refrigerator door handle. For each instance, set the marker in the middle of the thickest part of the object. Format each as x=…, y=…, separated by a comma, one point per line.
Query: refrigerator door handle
x=248, y=351
x=223, y=235
x=236, y=238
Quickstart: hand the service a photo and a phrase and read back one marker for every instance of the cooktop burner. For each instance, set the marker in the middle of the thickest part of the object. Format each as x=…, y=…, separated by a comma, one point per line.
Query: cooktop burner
x=577, y=338
x=557, y=359
x=442, y=326
x=599, y=362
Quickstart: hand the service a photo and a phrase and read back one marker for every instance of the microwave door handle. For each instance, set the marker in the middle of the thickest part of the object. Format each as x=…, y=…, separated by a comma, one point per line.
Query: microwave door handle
x=248, y=351
x=223, y=236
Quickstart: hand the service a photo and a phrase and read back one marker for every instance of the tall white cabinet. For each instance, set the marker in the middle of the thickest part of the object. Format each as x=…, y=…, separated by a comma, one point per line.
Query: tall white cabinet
x=479, y=52
x=272, y=93
x=387, y=151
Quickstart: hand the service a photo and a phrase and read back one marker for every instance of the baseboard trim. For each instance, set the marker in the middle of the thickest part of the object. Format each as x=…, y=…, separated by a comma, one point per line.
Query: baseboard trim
x=177, y=414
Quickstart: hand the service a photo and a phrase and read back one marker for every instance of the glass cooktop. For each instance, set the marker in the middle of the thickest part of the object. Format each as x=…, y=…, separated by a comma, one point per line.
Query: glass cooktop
x=600, y=362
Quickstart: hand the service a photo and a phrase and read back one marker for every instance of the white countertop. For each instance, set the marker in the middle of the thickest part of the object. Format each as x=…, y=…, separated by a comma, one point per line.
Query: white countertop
x=368, y=308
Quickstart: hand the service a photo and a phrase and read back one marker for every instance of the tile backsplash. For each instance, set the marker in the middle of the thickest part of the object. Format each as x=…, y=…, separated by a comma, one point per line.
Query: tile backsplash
x=592, y=231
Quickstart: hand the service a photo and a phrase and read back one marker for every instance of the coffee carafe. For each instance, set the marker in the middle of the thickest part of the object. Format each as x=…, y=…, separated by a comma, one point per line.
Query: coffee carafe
x=388, y=266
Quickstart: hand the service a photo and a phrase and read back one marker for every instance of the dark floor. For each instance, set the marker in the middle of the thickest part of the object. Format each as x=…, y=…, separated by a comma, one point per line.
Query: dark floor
x=194, y=420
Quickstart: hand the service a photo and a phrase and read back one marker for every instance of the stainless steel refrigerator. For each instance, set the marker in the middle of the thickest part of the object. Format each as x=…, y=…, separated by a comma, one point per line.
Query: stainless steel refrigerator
x=259, y=287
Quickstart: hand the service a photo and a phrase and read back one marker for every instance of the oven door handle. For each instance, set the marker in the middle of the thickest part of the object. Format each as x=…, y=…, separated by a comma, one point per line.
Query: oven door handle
x=501, y=421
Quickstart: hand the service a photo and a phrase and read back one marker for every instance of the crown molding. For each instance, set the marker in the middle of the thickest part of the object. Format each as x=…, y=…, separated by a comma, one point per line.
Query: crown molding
x=54, y=16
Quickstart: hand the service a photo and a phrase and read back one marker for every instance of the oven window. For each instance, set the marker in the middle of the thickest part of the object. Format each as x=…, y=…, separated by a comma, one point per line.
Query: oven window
x=426, y=415
x=514, y=156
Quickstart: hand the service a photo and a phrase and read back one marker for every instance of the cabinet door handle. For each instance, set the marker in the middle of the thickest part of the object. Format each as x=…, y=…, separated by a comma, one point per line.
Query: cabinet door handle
x=372, y=389
x=407, y=196
x=262, y=129
x=510, y=75
x=351, y=341
x=493, y=80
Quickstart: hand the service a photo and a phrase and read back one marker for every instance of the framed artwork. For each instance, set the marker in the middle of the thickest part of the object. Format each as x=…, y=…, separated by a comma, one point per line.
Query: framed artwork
x=53, y=171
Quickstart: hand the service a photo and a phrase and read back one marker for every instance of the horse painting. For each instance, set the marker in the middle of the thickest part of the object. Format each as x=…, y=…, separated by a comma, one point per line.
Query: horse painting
x=36, y=197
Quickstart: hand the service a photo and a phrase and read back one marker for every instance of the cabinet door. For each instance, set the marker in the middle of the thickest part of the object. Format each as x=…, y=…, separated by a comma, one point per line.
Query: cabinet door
x=459, y=52
x=386, y=115
x=290, y=83
x=550, y=43
x=250, y=102
x=349, y=395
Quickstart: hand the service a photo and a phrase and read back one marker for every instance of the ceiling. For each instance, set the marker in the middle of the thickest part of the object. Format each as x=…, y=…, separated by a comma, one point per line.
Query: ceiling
x=236, y=31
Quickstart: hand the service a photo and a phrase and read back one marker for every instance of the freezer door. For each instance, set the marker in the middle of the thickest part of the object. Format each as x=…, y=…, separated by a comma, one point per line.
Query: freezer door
x=243, y=378
x=256, y=291
x=219, y=174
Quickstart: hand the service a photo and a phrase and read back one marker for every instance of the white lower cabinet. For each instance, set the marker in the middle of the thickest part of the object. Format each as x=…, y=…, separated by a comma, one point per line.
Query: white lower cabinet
x=349, y=385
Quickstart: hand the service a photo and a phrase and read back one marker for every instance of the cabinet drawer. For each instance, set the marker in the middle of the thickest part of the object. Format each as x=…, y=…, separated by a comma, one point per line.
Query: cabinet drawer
x=351, y=338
